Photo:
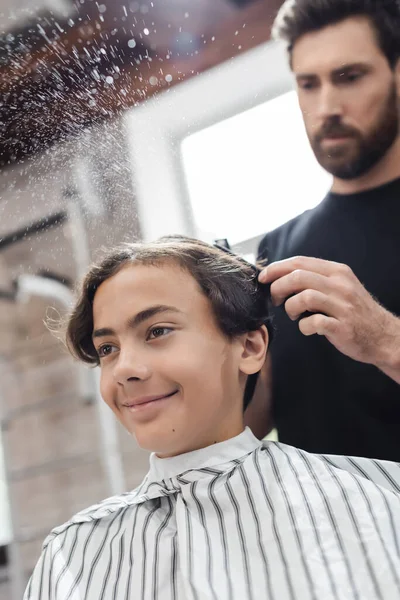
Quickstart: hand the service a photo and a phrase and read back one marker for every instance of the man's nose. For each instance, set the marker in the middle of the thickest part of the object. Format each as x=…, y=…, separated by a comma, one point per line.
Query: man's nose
x=330, y=104
x=130, y=366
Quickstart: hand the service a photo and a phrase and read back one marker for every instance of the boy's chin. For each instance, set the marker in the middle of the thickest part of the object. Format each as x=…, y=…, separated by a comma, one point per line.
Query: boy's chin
x=167, y=441
x=167, y=445
x=162, y=443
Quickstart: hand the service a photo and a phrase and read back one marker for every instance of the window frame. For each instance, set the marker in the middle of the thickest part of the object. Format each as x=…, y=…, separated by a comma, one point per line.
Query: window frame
x=156, y=129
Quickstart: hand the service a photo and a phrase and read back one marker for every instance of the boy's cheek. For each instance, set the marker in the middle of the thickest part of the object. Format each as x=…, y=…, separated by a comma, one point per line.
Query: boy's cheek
x=108, y=392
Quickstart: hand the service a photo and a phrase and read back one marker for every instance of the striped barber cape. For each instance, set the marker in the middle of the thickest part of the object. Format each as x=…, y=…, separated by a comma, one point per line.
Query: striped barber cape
x=240, y=520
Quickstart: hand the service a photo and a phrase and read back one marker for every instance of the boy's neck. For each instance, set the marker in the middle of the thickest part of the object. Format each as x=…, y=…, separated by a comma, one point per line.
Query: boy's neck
x=207, y=457
x=217, y=438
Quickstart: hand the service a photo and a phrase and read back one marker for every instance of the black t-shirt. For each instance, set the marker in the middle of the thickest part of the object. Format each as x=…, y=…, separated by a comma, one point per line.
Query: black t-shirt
x=324, y=401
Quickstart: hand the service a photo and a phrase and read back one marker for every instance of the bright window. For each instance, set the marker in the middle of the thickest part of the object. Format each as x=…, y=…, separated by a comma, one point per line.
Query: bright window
x=249, y=174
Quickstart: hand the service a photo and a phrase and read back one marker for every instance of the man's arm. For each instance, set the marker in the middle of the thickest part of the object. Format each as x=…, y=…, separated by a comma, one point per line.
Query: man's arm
x=388, y=360
x=342, y=310
x=258, y=415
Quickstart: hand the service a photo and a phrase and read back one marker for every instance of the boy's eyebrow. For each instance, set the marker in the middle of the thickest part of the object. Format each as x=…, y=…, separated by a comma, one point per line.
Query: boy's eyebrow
x=135, y=321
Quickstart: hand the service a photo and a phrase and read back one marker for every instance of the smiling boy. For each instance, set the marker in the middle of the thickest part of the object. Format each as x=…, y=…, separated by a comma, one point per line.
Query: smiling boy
x=180, y=331
x=169, y=370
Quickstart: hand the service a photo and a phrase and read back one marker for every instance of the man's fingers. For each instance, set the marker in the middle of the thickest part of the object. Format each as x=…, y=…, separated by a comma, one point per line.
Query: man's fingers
x=312, y=301
x=316, y=265
x=319, y=325
x=298, y=281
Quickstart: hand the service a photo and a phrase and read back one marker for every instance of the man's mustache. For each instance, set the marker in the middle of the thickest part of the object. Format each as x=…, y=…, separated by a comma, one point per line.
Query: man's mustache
x=334, y=129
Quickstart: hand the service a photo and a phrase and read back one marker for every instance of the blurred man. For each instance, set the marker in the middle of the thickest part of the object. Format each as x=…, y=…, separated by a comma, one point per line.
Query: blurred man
x=336, y=357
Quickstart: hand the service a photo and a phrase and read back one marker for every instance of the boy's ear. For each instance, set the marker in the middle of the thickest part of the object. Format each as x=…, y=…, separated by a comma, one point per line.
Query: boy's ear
x=254, y=350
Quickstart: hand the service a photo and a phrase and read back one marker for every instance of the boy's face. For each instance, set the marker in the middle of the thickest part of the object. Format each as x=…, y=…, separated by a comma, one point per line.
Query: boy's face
x=167, y=371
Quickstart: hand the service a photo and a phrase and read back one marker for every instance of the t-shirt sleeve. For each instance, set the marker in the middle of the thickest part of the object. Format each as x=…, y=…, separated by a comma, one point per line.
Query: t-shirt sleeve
x=271, y=245
x=262, y=253
x=41, y=585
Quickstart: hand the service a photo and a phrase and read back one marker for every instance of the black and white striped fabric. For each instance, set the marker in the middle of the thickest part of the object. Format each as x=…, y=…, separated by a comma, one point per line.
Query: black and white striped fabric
x=241, y=520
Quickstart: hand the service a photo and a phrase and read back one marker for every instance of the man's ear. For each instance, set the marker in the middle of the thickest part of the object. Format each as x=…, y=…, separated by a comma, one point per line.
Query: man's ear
x=254, y=350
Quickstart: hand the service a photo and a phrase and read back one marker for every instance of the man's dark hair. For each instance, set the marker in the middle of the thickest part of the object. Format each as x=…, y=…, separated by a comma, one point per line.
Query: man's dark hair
x=239, y=302
x=299, y=17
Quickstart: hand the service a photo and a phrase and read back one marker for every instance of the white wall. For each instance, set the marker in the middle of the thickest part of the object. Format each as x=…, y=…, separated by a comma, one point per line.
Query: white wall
x=5, y=524
x=157, y=128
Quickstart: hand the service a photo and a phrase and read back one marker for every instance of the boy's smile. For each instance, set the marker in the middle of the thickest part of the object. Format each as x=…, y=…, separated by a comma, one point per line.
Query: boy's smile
x=167, y=371
x=144, y=401
x=145, y=407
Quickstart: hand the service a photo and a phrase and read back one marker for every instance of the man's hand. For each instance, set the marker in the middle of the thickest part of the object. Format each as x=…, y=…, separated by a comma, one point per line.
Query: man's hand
x=344, y=312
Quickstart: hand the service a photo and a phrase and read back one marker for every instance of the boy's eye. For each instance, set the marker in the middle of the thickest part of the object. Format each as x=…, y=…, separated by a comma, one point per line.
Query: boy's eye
x=105, y=350
x=157, y=332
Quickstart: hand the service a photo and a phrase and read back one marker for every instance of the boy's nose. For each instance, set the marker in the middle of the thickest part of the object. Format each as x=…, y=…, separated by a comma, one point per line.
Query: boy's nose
x=130, y=368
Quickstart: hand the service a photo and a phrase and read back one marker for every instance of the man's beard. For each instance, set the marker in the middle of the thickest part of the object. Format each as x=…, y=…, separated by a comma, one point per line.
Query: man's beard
x=357, y=156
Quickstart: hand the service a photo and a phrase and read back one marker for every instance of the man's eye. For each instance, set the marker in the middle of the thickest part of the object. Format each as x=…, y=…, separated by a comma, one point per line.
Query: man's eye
x=157, y=332
x=105, y=350
x=349, y=77
x=306, y=85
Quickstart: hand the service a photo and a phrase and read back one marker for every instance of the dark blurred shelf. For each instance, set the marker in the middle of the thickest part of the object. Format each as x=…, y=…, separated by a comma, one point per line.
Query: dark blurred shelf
x=106, y=60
